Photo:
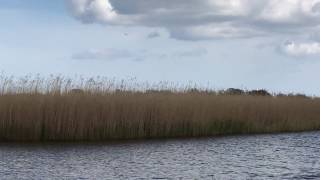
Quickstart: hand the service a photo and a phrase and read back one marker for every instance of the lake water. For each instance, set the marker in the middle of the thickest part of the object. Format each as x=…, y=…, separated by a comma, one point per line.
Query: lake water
x=284, y=156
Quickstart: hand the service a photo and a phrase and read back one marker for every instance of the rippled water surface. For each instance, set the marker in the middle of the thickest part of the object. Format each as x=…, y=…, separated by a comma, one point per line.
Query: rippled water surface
x=285, y=156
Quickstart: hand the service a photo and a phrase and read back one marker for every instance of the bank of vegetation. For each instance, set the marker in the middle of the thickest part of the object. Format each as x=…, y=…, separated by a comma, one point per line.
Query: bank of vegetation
x=99, y=109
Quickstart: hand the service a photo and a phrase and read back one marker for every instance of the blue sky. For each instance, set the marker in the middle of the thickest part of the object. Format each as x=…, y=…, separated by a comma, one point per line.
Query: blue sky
x=151, y=40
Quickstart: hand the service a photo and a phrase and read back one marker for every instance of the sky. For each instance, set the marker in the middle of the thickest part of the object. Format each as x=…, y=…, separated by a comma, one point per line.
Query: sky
x=267, y=44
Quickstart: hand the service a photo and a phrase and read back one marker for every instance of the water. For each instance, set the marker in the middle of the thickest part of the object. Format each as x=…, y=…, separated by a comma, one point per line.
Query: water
x=285, y=156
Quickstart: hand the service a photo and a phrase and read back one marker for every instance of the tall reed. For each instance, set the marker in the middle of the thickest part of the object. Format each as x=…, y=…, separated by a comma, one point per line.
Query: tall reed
x=63, y=109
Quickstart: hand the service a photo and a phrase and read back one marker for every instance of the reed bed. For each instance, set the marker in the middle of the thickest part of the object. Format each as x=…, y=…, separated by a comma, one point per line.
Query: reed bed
x=33, y=108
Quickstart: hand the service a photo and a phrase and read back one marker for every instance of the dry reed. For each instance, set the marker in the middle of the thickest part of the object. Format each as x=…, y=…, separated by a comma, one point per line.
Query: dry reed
x=61, y=109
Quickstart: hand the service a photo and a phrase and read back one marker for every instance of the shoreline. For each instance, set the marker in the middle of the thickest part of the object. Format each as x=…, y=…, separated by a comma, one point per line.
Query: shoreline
x=152, y=140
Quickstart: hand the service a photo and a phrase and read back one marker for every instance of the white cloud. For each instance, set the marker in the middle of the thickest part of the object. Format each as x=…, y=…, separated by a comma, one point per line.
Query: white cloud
x=291, y=11
x=103, y=54
x=232, y=7
x=301, y=49
x=110, y=54
x=214, y=31
x=204, y=19
x=98, y=11
x=196, y=52
x=92, y=10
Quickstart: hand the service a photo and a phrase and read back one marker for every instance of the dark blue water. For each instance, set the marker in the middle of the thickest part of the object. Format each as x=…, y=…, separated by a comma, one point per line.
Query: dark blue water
x=284, y=156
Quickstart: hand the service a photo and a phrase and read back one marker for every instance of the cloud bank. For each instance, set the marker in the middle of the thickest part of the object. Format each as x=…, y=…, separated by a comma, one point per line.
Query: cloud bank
x=205, y=19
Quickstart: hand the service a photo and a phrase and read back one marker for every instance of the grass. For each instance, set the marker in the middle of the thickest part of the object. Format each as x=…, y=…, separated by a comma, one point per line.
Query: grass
x=61, y=109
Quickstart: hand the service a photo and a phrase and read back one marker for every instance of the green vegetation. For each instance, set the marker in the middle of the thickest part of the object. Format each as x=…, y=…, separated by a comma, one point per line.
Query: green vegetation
x=59, y=109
